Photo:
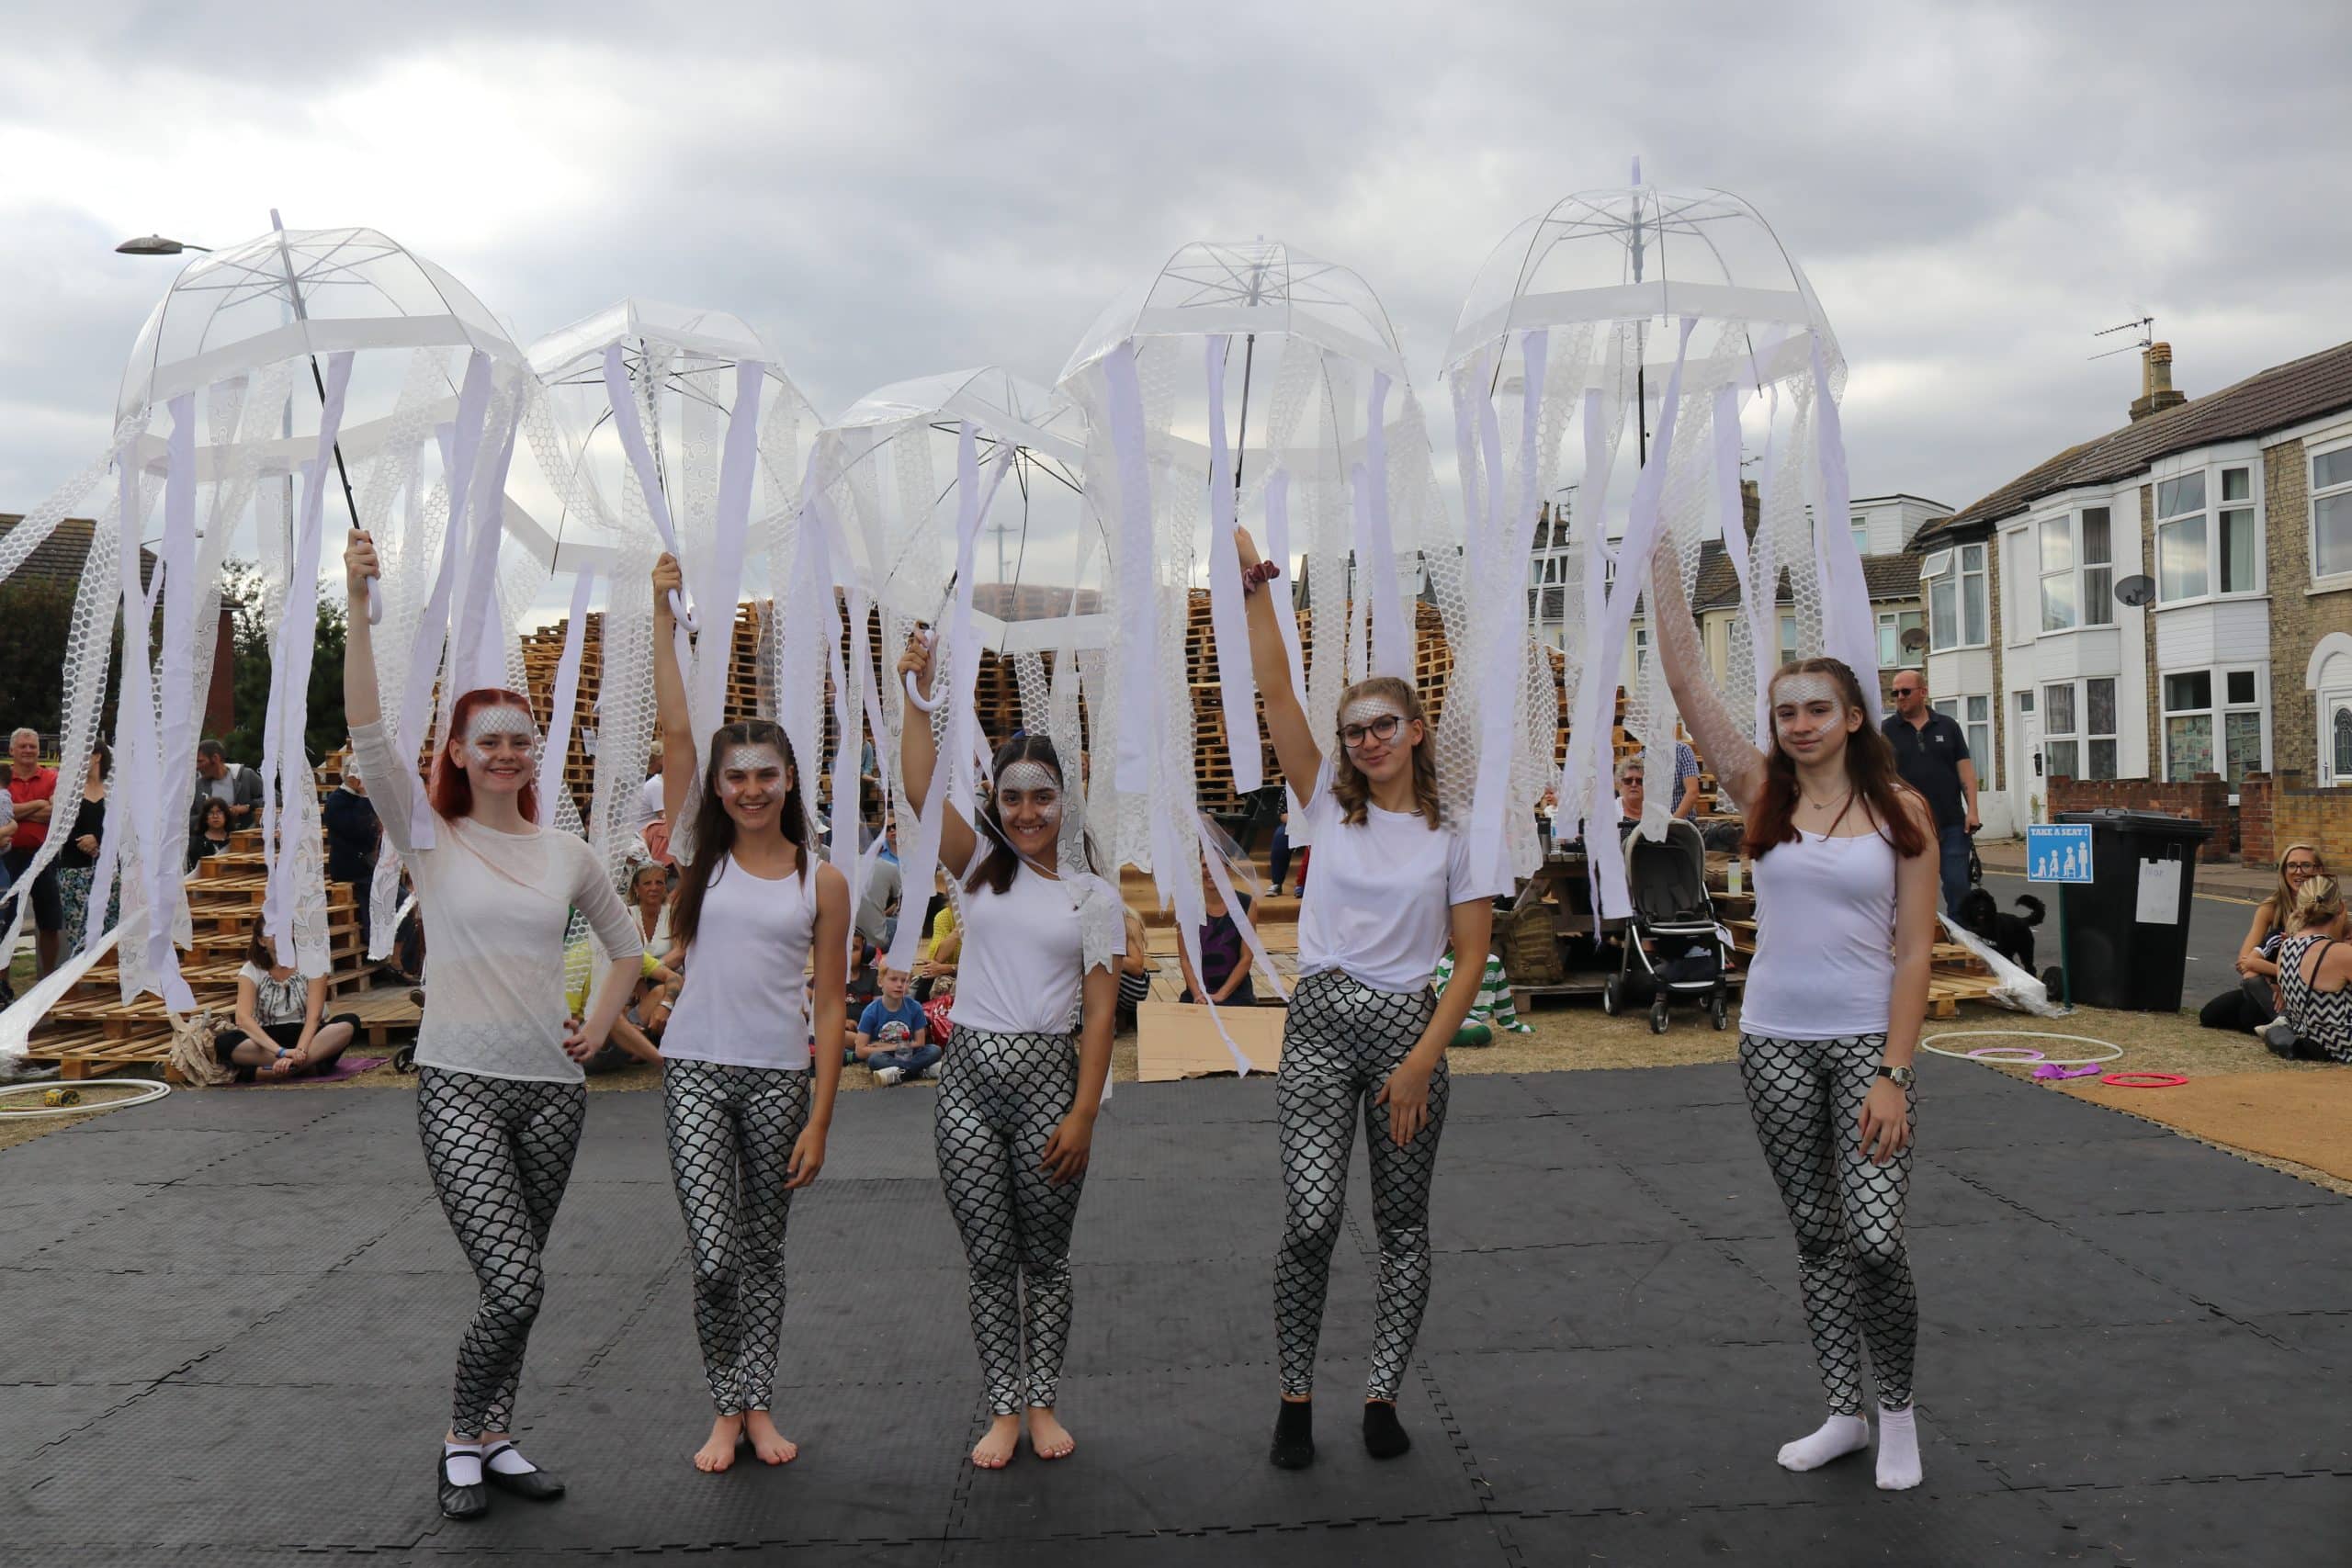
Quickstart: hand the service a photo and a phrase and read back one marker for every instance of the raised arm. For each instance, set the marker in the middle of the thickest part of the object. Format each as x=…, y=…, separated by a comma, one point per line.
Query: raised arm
x=1722, y=739
x=919, y=753
x=360, y=702
x=678, y=759
x=1294, y=748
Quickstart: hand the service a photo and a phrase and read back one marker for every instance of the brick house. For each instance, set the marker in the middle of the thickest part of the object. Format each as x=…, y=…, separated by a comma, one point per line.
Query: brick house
x=2229, y=517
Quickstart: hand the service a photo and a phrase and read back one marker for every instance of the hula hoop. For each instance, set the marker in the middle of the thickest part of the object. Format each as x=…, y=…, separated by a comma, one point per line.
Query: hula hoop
x=2017, y=1054
x=1929, y=1043
x=2143, y=1080
x=147, y=1093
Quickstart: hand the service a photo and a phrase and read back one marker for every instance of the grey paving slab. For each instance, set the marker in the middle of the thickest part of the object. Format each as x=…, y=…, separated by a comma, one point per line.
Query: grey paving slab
x=1676, y=1134
x=2300, y=1522
x=1599, y=1429
x=1176, y=1151
x=2254, y=1261
x=1738, y=1198
x=2133, y=1176
x=2325, y=1337
x=225, y=1110
x=1519, y=1145
x=1592, y=1204
x=1187, y=1451
x=41, y=1215
x=1196, y=1100
x=1630, y=1293
x=1603, y=1091
x=1151, y=1222
x=841, y=1325
x=2205, y=1397
x=1162, y=1316
x=2028, y=1116
x=327, y=1154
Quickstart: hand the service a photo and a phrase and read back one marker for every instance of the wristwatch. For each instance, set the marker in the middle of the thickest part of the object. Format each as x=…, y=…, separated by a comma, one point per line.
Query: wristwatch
x=1903, y=1077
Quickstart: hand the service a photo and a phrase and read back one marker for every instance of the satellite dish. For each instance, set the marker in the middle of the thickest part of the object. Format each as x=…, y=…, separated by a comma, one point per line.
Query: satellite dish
x=2136, y=590
x=1914, y=639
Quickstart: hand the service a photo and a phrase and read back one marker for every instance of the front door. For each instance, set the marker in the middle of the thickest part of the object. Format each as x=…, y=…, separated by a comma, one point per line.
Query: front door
x=2026, y=783
x=2335, y=736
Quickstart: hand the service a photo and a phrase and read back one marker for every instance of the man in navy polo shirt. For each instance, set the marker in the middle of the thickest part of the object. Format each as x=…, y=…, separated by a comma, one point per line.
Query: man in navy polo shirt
x=1931, y=753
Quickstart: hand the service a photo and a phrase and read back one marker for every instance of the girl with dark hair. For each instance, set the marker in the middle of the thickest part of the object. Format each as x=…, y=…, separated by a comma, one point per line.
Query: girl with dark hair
x=77, y=863
x=1846, y=898
x=281, y=1028
x=1029, y=1051
x=746, y=1130
x=211, y=835
x=1392, y=890
x=499, y=1098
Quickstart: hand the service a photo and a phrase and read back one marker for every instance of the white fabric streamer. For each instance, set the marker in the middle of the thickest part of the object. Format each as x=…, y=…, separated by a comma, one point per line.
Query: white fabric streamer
x=1238, y=691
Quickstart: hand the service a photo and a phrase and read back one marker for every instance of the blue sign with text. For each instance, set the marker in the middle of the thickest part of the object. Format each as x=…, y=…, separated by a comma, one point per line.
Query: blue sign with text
x=2060, y=853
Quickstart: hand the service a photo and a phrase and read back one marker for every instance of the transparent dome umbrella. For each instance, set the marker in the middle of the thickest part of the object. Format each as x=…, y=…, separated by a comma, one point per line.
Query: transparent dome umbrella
x=1324, y=423
x=966, y=487
x=276, y=374
x=1679, y=320
x=670, y=428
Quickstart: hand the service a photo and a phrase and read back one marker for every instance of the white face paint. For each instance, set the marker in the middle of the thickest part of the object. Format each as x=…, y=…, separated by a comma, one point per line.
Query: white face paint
x=1794, y=697
x=492, y=731
x=1037, y=786
x=742, y=767
x=1361, y=720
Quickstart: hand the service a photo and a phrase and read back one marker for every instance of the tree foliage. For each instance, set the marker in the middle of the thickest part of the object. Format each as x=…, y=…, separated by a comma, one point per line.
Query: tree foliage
x=253, y=623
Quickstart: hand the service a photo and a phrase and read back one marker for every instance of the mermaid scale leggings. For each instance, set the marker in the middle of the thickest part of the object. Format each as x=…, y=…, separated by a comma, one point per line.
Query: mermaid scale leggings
x=1001, y=1098
x=1341, y=1042
x=500, y=1151
x=731, y=1133
x=1806, y=1097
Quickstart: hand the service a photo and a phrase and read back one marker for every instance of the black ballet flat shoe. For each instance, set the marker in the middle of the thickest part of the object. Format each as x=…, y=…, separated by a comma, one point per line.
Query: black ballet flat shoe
x=537, y=1485
x=1384, y=1435
x=461, y=1502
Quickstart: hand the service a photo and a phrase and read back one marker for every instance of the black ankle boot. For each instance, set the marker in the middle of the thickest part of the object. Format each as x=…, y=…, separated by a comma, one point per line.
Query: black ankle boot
x=1294, y=1434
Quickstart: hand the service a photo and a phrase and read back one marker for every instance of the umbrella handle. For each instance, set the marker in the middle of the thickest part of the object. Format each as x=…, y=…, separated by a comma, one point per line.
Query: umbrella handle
x=916, y=697
x=375, y=602
x=685, y=617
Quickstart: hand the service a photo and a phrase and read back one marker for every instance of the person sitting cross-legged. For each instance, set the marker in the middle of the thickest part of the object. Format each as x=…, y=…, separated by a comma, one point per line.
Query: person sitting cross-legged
x=893, y=1034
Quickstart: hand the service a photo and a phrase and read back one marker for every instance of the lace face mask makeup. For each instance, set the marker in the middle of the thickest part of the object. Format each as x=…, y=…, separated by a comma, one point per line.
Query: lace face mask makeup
x=1031, y=780
x=492, y=726
x=740, y=765
x=1804, y=689
x=1377, y=718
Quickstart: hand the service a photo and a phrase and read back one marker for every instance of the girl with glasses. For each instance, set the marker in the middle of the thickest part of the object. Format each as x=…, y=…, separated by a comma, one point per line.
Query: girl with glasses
x=2245, y=1007
x=1365, y=1035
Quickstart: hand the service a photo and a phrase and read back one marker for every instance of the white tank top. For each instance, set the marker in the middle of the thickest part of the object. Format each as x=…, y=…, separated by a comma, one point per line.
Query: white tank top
x=1824, y=939
x=745, y=999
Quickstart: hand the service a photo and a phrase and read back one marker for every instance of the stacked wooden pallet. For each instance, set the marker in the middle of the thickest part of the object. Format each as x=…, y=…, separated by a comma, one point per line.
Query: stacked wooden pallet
x=91, y=1030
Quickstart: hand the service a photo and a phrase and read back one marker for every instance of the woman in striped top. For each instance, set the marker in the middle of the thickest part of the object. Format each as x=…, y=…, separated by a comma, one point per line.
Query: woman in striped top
x=2315, y=976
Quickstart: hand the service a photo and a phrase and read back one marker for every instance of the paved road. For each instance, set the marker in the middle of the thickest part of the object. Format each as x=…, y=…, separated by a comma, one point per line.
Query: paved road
x=2216, y=925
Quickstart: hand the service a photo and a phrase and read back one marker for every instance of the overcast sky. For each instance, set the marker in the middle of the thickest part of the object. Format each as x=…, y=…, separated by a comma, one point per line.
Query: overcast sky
x=891, y=190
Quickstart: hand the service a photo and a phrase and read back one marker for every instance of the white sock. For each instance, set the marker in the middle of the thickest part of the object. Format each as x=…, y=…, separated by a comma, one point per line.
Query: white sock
x=509, y=1460
x=1838, y=1436
x=1898, y=1451
x=464, y=1463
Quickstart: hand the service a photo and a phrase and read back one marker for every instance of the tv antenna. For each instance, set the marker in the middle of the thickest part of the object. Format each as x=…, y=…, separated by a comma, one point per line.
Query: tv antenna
x=2144, y=325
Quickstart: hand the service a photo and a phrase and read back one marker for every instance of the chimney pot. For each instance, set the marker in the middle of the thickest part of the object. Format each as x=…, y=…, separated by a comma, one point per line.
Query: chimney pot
x=2156, y=393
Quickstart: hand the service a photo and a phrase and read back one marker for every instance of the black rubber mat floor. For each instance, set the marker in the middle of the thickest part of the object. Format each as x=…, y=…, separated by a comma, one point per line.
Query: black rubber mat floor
x=230, y=1318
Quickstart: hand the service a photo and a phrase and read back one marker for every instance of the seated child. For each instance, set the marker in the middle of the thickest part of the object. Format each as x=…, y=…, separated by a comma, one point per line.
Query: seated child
x=893, y=1034
x=1492, y=1010
x=627, y=1045
x=281, y=1030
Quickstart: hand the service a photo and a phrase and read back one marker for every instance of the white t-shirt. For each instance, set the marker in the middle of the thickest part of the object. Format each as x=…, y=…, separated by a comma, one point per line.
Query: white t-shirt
x=648, y=802
x=745, y=999
x=496, y=905
x=1824, y=939
x=1021, y=969
x=1380, y=895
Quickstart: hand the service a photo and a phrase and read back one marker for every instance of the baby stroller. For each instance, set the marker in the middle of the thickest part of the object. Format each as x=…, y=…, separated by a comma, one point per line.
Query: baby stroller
x=1672, y=936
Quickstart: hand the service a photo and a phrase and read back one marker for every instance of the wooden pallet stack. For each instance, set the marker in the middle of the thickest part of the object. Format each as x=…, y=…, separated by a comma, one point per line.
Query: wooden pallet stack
x=91, y=1030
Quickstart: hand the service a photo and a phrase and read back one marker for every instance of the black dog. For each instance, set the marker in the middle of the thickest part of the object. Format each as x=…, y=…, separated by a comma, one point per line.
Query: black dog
x=2011, y=936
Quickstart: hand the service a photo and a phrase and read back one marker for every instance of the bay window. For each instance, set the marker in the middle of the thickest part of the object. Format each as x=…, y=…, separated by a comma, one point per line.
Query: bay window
x=2213, y=722
x=2077, y=727
x=1958, y=613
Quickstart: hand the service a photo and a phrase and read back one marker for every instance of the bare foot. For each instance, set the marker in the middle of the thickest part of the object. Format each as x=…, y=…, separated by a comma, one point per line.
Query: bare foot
x=771, y=1446
x=994, y=1450
x=718, y=1451
x=1048, y=1438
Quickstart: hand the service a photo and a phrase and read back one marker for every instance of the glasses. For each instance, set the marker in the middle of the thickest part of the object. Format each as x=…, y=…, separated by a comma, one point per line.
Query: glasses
x=1382, y=729
x=2302, y=865
x=1907, y=691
